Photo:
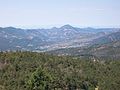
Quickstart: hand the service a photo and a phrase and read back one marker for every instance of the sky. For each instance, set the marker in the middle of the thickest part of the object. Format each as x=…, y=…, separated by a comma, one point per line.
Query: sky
x=49, y=13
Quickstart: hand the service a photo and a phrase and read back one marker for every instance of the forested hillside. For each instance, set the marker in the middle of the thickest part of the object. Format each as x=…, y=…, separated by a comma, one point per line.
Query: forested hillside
x=39, y=71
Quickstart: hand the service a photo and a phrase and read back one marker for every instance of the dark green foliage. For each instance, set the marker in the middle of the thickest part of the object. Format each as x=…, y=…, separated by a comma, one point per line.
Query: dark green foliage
x=39, y=71
x=39, y=80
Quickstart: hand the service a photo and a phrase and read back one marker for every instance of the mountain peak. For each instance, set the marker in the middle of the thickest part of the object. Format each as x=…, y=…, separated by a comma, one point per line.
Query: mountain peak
x=10, y=27
x=54, y=28
x=67, y=26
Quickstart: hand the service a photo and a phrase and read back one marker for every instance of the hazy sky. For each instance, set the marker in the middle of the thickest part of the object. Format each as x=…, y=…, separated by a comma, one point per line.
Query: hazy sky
x=47, y=13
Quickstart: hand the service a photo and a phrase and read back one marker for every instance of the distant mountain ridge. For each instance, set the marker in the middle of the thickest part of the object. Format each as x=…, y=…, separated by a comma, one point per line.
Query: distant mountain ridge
x=39, y=40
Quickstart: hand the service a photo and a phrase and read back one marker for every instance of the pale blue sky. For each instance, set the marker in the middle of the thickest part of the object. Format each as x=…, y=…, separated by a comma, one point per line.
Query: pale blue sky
x=48, y=13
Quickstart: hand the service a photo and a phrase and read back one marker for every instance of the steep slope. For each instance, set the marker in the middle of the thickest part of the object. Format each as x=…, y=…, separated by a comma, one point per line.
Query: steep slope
x=107, y=39
x=107, y=46
x=109, y=51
